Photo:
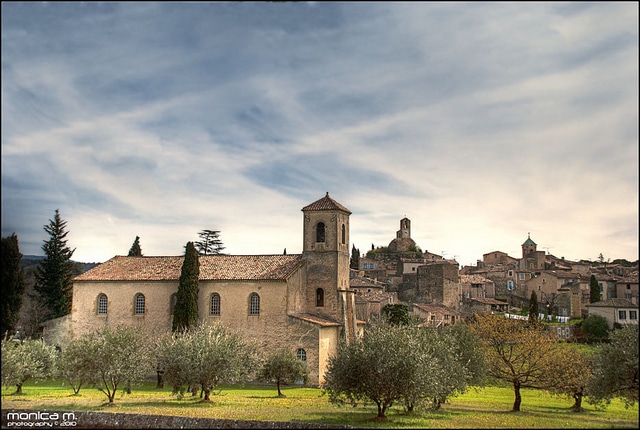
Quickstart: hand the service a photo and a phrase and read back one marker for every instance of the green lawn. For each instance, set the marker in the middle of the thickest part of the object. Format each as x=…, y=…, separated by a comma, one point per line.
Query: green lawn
x=488, y=407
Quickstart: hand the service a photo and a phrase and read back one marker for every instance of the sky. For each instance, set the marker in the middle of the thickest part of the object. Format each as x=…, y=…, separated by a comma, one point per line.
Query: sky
x=483, y=123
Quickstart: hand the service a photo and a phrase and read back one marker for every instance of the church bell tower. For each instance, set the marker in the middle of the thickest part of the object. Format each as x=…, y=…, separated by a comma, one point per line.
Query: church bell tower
x=326, y=251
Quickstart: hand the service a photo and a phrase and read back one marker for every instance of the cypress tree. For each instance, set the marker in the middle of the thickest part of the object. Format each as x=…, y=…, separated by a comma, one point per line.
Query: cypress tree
x=594, y=290
x=135, y=250
x=185, y=312
x=55, y=272
x=354, y=263
x=12, y=284
x=533, y=308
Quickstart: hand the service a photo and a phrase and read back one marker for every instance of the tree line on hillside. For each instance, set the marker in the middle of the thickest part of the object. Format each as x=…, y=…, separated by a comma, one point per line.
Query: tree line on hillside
x=395, y=361
x=47, y=288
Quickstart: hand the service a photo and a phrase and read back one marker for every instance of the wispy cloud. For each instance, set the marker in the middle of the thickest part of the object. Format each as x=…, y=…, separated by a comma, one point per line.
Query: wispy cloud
x=480, y=122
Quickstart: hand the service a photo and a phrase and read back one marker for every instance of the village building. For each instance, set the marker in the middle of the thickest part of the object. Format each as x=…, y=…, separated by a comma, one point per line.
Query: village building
x=615, y=311
x=302, y=302
x=627, y=287
x=435, y=315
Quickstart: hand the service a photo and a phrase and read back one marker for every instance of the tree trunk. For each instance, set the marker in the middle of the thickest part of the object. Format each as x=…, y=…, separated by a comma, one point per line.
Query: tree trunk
x=518, y=400
x=279, y=392
x=577, y=405
x=19, y=388
x=206, y=395
x=160, y=383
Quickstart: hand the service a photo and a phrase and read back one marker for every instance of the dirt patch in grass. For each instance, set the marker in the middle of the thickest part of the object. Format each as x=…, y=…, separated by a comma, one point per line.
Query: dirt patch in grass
x=18, y=418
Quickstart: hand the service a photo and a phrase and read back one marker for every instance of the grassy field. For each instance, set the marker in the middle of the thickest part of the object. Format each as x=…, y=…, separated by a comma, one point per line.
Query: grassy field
x=488, y=407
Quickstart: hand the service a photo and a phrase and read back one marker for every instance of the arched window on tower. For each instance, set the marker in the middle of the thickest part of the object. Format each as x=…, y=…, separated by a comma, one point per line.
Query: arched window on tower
x=320, y=232
x=344, y=234
x=320, y=297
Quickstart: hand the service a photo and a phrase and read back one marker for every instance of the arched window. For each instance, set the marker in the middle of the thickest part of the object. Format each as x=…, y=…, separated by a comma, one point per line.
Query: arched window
x=302, y=356
x=320, y=297
x=102, y=304
x=344, y=234
x=254, y=304
x=139, y=301
x=173, y=301
x=320, y=232
x=214, y=307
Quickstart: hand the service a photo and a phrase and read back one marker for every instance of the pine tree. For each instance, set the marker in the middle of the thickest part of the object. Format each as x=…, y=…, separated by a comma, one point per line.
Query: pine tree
x=135, y=250
x=209, y=242
x=185, y=312
x=55, y=272
x=594, y=290
x=12, y=286
x=533, y=308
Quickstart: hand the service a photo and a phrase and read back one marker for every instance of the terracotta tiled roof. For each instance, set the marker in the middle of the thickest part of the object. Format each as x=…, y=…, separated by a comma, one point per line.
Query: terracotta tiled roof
x=433, y=307
x=474, y=279
x=325, y=204
x=212, y=268
x=488, y=301
x=315, y=319
x=374, y=296
x=363, y=281
x=614, y=303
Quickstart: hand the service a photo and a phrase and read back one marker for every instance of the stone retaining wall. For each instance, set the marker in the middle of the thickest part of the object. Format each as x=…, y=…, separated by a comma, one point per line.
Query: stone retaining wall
x=106, y=420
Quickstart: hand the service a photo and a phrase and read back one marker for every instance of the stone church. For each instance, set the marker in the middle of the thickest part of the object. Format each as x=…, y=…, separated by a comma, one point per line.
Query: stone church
x=298, y=301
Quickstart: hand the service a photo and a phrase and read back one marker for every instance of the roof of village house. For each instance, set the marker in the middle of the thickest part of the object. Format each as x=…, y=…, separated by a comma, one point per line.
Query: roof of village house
x=363, y=281
x=315, y=319
x=373, y=296
x=474, y=279
x=614, y=303
x=630, y=278
x=432, y=307
x=488, y=301
x=212, y=268
x=325, y=204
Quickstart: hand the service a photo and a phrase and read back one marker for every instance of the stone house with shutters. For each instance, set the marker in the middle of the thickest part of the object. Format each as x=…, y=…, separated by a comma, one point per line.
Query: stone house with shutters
x=301, y=302
x=435, y=315
x=627, y=287
x=620, y=311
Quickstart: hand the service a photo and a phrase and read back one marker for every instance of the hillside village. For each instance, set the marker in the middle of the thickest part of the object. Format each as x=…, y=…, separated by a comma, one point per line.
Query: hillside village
x=439, y=291
x=307, y=302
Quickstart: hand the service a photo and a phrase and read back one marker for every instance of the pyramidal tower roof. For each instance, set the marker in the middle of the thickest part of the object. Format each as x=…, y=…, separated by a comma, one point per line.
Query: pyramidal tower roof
x=325, y=204
x=529, y=241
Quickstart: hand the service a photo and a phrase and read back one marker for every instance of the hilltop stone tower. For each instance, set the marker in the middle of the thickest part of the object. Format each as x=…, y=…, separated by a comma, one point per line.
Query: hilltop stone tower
x=326, y=251
x=403, y=241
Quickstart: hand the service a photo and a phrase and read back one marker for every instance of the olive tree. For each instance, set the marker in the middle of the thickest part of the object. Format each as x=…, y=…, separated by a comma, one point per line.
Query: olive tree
x=418, y=366
x=31, y=358
x=282, y=367
x=110, y=357
x=74, y=364
x=446, y=362
x=616, y=368
x=375, y=367
x=206, y=355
